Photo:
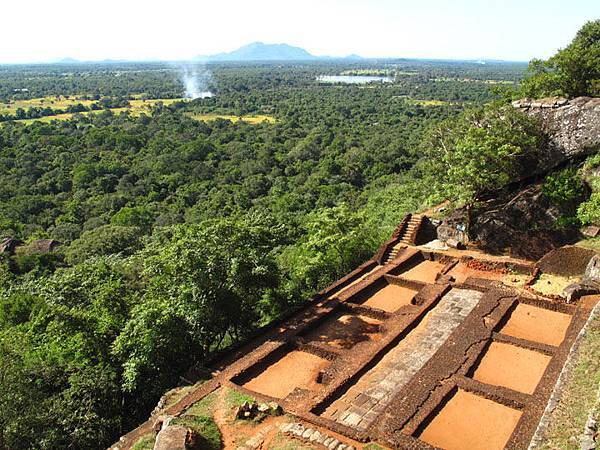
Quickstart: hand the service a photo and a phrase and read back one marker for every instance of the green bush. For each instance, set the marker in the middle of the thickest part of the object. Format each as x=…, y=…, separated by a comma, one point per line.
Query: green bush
x=589, y=212
x=565, y=189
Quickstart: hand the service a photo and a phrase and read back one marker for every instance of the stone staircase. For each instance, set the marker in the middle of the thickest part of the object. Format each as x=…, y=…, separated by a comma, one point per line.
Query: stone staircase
x=394, y=252
x=406, y=238
x=409, y=234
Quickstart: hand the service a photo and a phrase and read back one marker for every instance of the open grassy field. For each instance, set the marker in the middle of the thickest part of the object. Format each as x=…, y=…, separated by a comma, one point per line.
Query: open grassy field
x=54, y=102
x=251, y=119
x=67, y=116
x=414, y=101
x=135, y=108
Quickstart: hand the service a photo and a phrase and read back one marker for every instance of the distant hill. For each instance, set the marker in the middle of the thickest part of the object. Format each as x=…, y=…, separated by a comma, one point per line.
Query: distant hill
x=259, y=51
x=68, y=61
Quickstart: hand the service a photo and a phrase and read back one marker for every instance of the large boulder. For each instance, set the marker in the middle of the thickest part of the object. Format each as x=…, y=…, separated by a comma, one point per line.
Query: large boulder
x=521, y=222
x=453, y=228
x=174, y=437
x=592, y=271
x=572, y=129
x=590, y=283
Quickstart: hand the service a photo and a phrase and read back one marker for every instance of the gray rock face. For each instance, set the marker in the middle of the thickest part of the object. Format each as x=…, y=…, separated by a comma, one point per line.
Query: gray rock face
x=592, y=271
x=572, y=128
x=519, y=222
x=453, y=228
x=520, y=219
x=589, y=285
x=173, y=437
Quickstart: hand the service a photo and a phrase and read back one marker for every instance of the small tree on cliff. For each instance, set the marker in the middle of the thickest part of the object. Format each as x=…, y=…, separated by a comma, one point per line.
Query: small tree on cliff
x=573, y=71
x=477, y=152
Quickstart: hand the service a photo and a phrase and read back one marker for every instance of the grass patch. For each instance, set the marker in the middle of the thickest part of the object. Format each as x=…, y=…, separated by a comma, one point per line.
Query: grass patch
x=146, y=442
x=251, y=119
x=136, y=108
x=549, y=284
x=174, y=395
x=591, y=243
x=579, y=395
x=415, y=101
x=472, y=80
x=53, y=102
x=235, y=398
x=204, y=407
x=373, y=446
x=208, y=436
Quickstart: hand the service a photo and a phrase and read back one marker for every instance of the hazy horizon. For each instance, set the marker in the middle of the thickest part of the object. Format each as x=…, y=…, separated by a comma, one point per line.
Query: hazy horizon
x=157, y=31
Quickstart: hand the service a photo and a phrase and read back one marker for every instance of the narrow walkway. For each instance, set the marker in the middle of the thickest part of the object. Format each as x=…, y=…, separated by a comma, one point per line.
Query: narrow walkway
x=364, y=401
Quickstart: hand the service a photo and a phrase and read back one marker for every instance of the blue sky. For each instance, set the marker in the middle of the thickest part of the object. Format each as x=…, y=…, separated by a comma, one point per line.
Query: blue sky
x=39, y=30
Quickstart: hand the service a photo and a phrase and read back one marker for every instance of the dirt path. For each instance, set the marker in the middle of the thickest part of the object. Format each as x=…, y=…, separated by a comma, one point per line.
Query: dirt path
x=222, y=420
x=236, y=433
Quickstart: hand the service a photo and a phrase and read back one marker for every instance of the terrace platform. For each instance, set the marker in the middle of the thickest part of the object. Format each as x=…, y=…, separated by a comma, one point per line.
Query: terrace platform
x=419, y=349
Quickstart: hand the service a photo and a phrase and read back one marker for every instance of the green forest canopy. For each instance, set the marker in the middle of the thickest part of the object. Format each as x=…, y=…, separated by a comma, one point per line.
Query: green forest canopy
x=181, y=237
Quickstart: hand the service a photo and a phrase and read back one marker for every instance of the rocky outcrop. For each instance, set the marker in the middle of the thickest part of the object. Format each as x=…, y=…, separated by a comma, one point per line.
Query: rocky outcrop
x=453, y=227
x=571, y=127
x=520, y=219
x=174, y=437
x=589, y=284
x=521, y=223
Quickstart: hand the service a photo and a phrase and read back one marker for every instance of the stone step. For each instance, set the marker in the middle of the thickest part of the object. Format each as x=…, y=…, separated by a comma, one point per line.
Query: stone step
x=314, y=436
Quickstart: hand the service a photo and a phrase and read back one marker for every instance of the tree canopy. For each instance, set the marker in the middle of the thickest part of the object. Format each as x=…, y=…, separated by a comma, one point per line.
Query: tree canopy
x=478, y=151
x=573, y=71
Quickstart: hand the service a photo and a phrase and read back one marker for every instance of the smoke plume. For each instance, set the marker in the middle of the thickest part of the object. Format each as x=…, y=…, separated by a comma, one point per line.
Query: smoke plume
x=196, y=81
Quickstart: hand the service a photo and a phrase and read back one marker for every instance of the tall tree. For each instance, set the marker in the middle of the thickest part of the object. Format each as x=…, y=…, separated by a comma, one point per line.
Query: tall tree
x=573, y=71
x=477, y=151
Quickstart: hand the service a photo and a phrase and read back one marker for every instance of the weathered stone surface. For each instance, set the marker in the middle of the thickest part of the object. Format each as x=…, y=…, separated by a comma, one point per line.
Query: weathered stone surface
x=592, y=271
x=315, y=436
x=590, y=231
x=160, y=422
x=589, y=284
x=521, y=222
x=297, y=429
x=173, y=437
x=333, y=444
x=453, y=227
x=402, y=362
x=572, y=128
x=321, y=439
x=453, y=243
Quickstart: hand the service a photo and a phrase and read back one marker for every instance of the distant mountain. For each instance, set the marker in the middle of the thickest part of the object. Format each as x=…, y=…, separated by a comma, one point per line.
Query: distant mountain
x=259, y=51
x=68, y=61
